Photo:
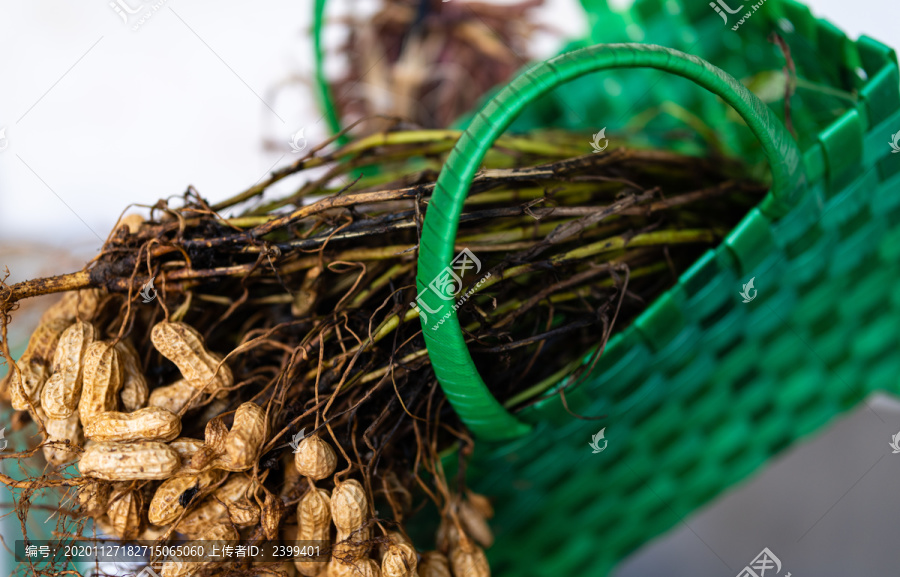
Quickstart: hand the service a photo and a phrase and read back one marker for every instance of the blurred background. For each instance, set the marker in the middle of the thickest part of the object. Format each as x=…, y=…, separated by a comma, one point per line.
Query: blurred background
x=101, y=108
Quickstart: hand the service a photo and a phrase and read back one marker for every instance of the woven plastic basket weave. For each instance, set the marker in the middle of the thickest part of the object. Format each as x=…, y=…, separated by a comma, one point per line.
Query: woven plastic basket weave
x=702, y=389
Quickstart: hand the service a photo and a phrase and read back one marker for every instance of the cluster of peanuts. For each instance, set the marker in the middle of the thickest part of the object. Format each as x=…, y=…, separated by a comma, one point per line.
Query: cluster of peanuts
x=92, y=393
x=345, y=513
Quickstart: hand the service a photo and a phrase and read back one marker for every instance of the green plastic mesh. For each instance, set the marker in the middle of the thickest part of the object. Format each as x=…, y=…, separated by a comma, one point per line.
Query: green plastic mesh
x=703, y=389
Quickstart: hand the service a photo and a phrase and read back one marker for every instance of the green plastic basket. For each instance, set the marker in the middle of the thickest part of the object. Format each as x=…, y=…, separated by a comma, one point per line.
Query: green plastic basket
x=702, y=388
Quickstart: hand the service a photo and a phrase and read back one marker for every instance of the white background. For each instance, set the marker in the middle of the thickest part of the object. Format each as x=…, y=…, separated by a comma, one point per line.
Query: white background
x=98, y=115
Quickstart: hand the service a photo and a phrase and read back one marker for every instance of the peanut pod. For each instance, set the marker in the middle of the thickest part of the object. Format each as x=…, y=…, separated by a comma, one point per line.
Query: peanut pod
x=184, y=346
x=128, y=461
x=61, y=392
x=186, y=448
x=173, y=397
x=93, y=498
x=315, y=458
x=244, y=441
x=125, y=514
x=229, y=503
x=362, y=567
x=349, y=505
x=34, y=367
x=166, y=504
x=434, y=564
x=63, y=431
x=147, y=424
x=400, y=560
x=82, y=304
x=102, y=381
x=352, y=544
x=313, y=524
x=135, y=391
x=469, y=559
x=475, y=525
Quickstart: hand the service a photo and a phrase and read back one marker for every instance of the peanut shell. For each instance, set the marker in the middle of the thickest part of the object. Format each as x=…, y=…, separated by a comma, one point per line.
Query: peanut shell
x=131, y=221
x=81, y=304
x=272, y=512
x=475, y=525
x=238, y=508
x=172, y=397
x=447, y=537
x=352, y=544
x=469, y=559
x=103, y=378
x=147, y=424
x=481, y=504
x=184, y=346
x=315, y=458
x=434, y=564
x=362, y=567
x=313, y=524
x=244, y=441
x=135, y=392
x=93, y=497
x=61, y=392
x=166, y=505
x=349, y=505
x=400, y=560
x=66, y=430
x=126, y=514
x=186, y=448
x=128, y=461
x=34, y=367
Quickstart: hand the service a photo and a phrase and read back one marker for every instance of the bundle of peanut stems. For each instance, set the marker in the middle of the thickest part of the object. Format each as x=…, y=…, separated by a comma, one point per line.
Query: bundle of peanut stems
x=307, y=298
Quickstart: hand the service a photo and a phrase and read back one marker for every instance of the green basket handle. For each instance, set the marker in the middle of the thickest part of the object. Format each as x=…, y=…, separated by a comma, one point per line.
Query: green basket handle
x=323, y=90
x=450, y=357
